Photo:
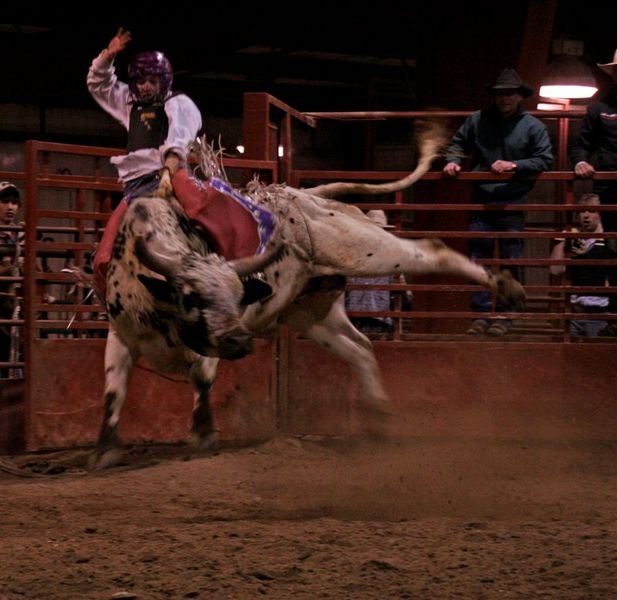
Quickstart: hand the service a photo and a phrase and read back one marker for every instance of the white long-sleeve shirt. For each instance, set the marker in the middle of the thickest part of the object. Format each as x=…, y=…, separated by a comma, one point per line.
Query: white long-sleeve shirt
x=114, y=97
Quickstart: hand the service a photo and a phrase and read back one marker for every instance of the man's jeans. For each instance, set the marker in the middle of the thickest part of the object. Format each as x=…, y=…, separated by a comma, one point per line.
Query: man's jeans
x=484, y=248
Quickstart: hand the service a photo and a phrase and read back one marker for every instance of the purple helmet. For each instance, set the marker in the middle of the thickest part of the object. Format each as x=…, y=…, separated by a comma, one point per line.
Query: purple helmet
x=150, y=63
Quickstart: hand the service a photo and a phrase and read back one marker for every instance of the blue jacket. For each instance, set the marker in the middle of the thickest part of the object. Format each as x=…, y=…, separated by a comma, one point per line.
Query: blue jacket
x=486, y=136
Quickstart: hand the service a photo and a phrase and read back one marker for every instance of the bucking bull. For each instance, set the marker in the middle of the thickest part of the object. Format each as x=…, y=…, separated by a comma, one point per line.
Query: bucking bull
x=182, y=308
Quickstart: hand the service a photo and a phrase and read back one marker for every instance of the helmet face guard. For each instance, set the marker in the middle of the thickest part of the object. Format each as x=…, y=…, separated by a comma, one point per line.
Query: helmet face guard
x=150, y=63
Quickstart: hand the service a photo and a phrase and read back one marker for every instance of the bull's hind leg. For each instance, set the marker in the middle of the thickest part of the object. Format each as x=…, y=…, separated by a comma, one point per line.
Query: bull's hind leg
x=322, y=318
x=371, y=251
x=203, y=433
x=118, y=365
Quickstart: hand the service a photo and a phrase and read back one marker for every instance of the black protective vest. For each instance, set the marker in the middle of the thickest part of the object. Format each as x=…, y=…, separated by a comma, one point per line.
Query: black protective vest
x=148, y=126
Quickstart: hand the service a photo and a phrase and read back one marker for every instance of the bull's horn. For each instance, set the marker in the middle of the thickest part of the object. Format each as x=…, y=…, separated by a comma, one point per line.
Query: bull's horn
x=154, y=260
x=258, y=262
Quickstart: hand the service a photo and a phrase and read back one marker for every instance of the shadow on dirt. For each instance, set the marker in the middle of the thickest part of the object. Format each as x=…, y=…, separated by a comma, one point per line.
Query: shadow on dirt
x=75, y=461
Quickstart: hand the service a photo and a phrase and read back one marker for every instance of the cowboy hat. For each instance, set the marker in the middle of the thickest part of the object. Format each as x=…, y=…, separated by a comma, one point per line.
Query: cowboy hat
x=609, y=67
x=509, y=79
x=379, y=217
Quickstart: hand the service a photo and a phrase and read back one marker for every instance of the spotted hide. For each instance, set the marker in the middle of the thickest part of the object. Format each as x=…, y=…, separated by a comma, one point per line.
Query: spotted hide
x=171, y=302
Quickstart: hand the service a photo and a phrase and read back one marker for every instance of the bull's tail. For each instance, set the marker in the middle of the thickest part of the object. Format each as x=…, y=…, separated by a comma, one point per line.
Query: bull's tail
x=432, y=139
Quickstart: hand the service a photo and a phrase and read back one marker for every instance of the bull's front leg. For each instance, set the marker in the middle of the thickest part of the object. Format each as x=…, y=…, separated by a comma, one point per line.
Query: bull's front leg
x=202, y=374
x=118, y=365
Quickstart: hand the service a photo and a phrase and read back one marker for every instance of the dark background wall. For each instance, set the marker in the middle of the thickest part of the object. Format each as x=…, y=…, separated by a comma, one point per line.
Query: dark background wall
x=332, y=56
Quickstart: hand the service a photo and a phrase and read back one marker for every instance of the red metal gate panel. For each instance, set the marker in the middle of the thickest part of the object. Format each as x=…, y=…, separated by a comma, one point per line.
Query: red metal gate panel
x=65, y=387
x=497, y=390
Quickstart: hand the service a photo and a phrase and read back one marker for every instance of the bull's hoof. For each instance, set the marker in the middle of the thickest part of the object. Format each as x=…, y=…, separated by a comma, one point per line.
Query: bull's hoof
x=377, y=423
x=104, y=459
x=209, y=441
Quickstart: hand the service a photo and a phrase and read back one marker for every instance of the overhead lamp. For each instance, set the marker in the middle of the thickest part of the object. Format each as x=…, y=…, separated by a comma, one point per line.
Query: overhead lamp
x=568, y=77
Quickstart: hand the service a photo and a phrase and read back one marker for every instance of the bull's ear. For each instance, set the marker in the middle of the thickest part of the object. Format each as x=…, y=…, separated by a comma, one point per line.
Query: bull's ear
x=254, y=290
x=159, y=288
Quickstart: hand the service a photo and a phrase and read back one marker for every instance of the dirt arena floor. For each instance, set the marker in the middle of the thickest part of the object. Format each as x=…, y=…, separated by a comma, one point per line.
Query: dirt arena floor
x=311, y=518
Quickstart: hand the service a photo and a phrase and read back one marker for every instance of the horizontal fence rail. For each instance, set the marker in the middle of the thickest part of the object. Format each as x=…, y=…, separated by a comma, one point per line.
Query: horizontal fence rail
x=549, y=302
x=66, y=214
x=548, y=299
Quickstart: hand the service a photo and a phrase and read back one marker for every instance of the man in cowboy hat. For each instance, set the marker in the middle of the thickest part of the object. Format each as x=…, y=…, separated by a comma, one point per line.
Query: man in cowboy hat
x=598, y=136
x=502, y=138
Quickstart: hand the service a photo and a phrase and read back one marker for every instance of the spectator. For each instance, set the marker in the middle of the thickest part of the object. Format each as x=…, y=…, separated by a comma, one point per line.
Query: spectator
x=502, y=138
x=598, y=136
x=371, y=300
x=9, y=266
x=581, y=274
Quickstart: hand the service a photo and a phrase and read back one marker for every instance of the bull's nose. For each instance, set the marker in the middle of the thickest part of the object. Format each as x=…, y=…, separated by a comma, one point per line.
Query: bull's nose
x=236, y=345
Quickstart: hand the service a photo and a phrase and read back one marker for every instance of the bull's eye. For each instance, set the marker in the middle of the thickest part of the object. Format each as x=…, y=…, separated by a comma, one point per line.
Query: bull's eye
x=194, y=301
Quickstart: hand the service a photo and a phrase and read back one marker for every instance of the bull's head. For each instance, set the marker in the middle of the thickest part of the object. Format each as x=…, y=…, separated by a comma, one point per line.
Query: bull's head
x=203, y=296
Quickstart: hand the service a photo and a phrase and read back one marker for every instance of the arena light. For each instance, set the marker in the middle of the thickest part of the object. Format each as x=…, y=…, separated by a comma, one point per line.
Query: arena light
x=568, y=77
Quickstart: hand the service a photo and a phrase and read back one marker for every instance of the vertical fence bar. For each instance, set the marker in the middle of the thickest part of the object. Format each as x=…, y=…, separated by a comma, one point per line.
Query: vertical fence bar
x=30, y=283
